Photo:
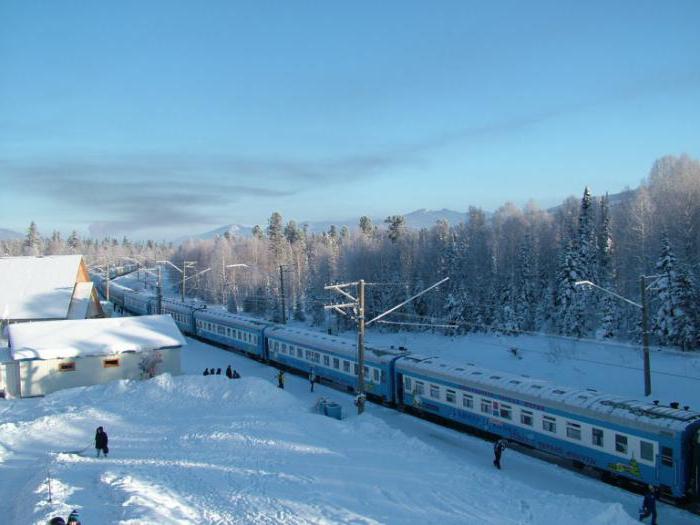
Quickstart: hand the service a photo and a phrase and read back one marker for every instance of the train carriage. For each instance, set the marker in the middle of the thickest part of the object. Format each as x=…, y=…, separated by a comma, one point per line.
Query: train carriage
x=139, y=303
x=639, y=441
x=182, y=313
x=237, y=331
x=333, y=359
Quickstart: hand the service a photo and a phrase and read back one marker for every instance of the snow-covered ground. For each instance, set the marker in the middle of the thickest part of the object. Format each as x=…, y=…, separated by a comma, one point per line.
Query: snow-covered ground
x=194, y=449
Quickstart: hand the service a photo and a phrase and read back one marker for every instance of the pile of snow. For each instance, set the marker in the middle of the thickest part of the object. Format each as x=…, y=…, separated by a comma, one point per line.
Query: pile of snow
x=194, y=449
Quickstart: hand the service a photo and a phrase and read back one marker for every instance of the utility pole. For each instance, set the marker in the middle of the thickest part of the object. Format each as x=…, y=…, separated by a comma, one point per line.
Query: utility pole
x=357, y=307
x=284, y=306
x=159, y=290
x=645, y=335
x=183, y=271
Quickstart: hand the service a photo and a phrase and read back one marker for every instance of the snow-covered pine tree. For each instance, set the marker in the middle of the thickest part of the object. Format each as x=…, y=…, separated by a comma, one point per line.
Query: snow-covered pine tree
x=569, y=310
x=609, y=306
x=674, y=321
x=32, y=241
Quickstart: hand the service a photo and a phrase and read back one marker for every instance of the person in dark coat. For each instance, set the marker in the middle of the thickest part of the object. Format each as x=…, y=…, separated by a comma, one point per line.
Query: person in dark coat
x=649, y=505
x=206, y=372
x=212, y=372
x=58, y=520
x=229, y=372
x=218, y=371
x=101, y=441
x=236, y=375
x=498, y=449
x=312, y=378
x=280, y=379
x=74, y=517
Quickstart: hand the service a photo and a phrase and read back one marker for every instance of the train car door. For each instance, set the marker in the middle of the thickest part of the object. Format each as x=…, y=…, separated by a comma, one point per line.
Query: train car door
x=399, y=389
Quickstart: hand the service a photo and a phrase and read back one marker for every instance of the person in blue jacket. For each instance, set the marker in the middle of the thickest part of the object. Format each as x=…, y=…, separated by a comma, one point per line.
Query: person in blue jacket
x=649, y=505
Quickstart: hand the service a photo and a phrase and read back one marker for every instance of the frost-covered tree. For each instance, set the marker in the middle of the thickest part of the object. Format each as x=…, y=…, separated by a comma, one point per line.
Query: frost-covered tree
x=674, y=320
x=32, y=241
x=570, y=314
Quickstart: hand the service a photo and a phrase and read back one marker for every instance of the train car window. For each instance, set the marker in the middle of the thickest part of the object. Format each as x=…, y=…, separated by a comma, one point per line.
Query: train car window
x=573, y=430
x=486, y=406
x=276, y=346
x=667, y=456
x=326, y=360
x=255, y=339
x=450, y=396
x=526, y=418
x=336, y=363
x=549, y=424
x=407, y=384
x=506, y=412
x=597, y=437
x=620, y=443
x=382, y=377
x=300, y=353
x=308, y=355
x=228, y=332
x=375, y=374
x=467, y=401
x=646, y=450
x=346, y=366
x=220, y=329
x=284, y=348
x=317, y=357
x=435, y=391
x=365, y=372
x=238, y=334
x=419, y=388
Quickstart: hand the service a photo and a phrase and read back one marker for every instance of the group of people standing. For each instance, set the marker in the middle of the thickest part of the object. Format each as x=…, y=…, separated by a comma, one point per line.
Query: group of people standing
x=73, y=519
x=230, y=373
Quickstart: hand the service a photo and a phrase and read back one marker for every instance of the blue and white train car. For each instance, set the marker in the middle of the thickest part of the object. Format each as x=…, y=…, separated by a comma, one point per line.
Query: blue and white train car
x=333, y=358
x=640, y=441
x=182, y=314
x=139, y=303
x=237, y=331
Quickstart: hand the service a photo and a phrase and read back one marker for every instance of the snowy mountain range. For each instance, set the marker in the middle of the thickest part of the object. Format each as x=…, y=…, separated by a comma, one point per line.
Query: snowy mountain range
x=416, y=219
x=8, y=235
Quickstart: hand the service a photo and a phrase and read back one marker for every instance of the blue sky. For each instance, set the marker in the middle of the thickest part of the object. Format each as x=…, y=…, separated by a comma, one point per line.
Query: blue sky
x=155, y=119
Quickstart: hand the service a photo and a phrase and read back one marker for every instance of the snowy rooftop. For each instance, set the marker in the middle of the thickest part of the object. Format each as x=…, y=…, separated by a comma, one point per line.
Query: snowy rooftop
x=37, y=287
x=59, y=339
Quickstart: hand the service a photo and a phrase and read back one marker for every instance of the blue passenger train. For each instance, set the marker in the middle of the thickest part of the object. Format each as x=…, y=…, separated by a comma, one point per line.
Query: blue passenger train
x=646, y=443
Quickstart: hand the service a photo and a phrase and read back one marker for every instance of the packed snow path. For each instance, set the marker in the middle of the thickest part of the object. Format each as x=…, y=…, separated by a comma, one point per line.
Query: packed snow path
x=194, y=449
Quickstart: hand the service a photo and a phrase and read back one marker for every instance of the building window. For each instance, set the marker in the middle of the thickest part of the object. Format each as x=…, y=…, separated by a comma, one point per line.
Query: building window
x=526, y=418
x=506, y=412
x=435, y=391
x=667, y=456
x=110, y=363
x=486, y=406
x=549, y=424
x=407, y=384
x=67, y=367
x=620, y=443
x=419, y=388
x=597, y=437
x=573, y=430
x=467, y=401
x=646, y=451
x=450, y=396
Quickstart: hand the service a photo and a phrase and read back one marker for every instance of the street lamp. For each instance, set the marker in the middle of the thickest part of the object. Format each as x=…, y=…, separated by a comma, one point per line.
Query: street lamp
x=183, y=271
x=223, y=274
x=644, y=307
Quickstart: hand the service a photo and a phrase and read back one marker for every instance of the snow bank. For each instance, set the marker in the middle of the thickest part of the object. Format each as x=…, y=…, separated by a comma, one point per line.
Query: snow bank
x=194, y=449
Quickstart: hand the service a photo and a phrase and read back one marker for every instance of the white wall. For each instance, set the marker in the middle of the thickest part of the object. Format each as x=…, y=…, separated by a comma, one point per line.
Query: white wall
x=41, y=377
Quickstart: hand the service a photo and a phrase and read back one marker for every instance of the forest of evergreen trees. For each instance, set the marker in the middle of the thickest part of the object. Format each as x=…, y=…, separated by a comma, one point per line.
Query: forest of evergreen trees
x=512, y=271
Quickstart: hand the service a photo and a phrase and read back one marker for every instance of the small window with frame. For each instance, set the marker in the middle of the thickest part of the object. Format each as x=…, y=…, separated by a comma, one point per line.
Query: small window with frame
x=467, y=401
x=667, y=456
x=573, y=430
x=407, y=384
x=646, y=450
x=597, y=437
x=450, y=396
x=549, y=424
x=110, y=363
x=620, y=443
x=435, y=391
x=68, y=366
x=526, y=418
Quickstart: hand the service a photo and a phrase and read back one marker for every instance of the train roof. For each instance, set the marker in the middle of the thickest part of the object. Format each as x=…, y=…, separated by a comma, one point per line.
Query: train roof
x=238, y=319
x=537, y=391
x=331, y=343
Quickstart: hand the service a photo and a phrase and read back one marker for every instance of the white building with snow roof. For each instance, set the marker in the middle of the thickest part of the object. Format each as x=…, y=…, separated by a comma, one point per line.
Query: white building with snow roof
x=47, y=356
x=46, y=288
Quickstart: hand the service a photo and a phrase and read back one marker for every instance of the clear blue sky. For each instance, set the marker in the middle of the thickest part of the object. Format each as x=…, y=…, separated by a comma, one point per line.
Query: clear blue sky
x=163, y=118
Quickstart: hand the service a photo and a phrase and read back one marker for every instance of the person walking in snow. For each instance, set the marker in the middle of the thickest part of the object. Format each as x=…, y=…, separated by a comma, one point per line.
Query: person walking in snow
x=101, y=441
x=312, y=378
x=280, y=379
x=74, y=517
x=206, y=372
x=218, y=371
x=236, y=375
x=229, y=372
x=649, y=505
x=498, y=449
